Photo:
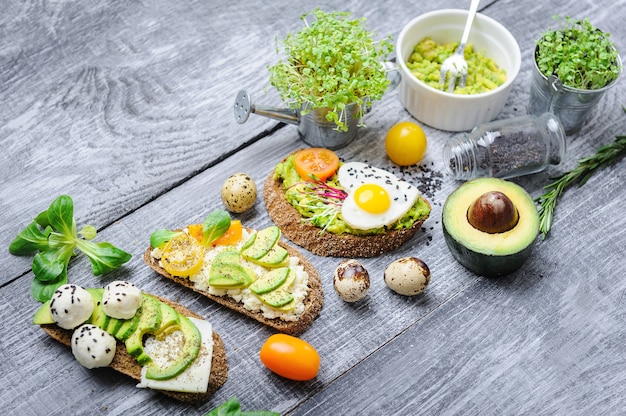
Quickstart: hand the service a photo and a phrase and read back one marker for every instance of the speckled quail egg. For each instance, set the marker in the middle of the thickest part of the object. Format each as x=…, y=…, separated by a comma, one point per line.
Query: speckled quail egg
x=351, y=281
x=407, y=276
x=239, y=193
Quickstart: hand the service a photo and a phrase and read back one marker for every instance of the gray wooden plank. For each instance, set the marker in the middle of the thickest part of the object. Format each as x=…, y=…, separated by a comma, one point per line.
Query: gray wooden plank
x=547, y=340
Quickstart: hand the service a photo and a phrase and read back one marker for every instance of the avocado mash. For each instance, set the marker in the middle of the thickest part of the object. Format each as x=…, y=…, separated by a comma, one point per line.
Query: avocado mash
x=483, y=73
x=324, y=211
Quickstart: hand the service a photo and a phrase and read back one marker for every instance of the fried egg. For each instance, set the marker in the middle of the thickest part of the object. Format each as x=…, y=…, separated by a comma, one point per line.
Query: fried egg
x=376, y=198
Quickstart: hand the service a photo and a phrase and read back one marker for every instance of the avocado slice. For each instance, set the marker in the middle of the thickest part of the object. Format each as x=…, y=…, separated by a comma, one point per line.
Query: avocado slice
x=170, y=321
x=270, y=281
x=277, y=298
x=280, y=297
x=128, y=326
x=263, y=241
x=149, y=323
x=228, y=276
x=43, y=315
x=114, y=325
x=277, y=256
x=190, y=351
x=228, y=256
x=484, y=253
x=98, y=317
x=249, y=241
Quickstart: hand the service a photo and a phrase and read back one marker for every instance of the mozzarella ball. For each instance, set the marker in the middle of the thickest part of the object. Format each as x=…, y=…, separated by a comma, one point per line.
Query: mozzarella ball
x=407, y=276
x=351, y=281
x=239, y=193
x=70, y=306
x=92, y=346
x=121, y=299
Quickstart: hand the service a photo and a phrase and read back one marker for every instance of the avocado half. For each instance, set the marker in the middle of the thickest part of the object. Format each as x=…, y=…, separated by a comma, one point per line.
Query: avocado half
x=489, y=254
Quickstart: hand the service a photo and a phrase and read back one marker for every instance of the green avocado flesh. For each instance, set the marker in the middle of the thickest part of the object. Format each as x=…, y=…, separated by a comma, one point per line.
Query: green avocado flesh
x=318, y=214
x=486, y=254
x=153, y=317
x=190, y=350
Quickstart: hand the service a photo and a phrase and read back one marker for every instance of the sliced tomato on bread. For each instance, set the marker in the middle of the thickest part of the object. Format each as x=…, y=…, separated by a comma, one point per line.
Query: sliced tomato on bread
x=318, y=162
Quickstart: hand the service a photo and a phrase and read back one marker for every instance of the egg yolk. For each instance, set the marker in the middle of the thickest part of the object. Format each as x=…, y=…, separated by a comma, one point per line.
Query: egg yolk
x=372, y=198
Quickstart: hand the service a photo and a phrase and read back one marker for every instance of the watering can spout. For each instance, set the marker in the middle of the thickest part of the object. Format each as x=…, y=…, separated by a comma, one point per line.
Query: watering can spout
x=244, y=107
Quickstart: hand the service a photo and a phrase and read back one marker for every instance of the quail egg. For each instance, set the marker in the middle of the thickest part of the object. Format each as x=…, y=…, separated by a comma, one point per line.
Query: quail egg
x=351, y=281
x=239, y=193
x=407, y=276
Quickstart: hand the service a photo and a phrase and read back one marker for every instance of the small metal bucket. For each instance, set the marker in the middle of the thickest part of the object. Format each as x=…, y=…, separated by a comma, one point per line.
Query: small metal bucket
x=572, y=106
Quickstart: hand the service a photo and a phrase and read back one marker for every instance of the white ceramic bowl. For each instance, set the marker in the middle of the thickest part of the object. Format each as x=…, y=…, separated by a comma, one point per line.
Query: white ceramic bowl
x=447, y=111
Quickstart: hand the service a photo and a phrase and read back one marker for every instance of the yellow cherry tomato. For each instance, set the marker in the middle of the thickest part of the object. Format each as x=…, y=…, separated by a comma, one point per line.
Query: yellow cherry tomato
x=290, y=357
x=182, y=255
x=405, y=143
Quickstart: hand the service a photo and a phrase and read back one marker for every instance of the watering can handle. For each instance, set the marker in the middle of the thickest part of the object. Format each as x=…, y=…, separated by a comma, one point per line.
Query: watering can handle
x=244, y=107
x=393, y=74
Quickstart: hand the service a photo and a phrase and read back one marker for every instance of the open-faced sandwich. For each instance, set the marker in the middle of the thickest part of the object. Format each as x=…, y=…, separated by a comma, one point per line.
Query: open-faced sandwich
x=342, y=209
x=159, y=343
x=249, y=271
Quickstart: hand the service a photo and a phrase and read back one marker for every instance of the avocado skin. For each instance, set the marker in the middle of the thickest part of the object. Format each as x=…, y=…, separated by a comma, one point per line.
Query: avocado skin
x=498, y=259
x=486, y=265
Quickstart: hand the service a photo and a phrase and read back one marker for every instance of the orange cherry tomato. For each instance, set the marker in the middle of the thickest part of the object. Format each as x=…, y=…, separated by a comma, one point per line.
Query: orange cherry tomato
x=290, y=357
x=322, y=163
x=182, y=255
x=232, y=235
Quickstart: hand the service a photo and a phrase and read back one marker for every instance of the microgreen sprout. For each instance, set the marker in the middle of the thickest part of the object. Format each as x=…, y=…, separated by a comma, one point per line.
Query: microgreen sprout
x=321, y=195
x=579, y=54
x=331, y=63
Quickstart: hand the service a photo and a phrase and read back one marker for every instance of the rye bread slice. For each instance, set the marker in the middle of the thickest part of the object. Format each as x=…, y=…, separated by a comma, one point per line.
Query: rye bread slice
x=312, y=303
x=124, y=363
x=326, y=244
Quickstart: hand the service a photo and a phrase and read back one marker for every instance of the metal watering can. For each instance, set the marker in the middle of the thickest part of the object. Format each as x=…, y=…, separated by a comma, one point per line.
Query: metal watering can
x=313, y=127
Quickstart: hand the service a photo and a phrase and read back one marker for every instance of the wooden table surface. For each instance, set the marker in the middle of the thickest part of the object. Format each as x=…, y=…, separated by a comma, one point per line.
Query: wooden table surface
x=127, y=108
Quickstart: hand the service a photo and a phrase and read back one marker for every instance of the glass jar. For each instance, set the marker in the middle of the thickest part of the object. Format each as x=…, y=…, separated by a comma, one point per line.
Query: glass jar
x=506, y=148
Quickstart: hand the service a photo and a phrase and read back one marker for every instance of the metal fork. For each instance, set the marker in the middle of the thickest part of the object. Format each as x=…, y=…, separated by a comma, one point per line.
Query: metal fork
x=455, y=66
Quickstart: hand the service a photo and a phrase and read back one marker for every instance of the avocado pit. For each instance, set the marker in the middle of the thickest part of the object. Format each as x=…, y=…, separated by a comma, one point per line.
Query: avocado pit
x=493, y=212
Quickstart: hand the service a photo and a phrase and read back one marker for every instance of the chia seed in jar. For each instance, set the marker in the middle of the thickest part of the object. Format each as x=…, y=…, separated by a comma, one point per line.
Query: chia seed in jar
x=506, y=148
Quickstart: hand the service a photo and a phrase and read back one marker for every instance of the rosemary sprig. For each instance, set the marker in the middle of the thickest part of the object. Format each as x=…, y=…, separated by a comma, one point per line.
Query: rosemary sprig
x=605, y=155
